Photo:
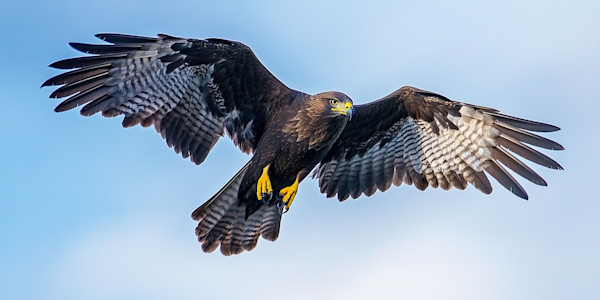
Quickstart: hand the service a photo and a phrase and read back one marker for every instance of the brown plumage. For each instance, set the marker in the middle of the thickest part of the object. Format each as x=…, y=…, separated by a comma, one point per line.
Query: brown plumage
x=294, y=142
x=193, y=91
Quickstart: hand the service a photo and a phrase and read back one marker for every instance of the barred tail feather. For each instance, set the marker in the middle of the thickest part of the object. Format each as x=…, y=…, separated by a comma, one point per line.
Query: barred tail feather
x=252, y=229
x=269, y=228
x=213, y=210
x=222, y=221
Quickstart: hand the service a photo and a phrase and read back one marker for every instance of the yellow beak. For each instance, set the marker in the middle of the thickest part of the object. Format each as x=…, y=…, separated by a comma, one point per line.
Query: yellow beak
x=349, y=109
x=346, y=110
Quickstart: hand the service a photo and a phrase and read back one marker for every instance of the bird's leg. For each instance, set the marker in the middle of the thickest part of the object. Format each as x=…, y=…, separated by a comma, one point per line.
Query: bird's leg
x=264, y=191
x=288, y=194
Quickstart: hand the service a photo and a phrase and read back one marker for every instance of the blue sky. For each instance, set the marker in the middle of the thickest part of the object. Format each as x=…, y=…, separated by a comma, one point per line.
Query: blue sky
x=89, y=210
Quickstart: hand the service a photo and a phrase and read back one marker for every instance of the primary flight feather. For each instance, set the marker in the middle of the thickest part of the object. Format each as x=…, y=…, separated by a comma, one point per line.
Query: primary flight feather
x=194, y=91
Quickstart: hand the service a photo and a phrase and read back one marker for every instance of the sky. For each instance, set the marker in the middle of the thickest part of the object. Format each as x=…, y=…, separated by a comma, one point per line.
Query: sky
x=89, y=210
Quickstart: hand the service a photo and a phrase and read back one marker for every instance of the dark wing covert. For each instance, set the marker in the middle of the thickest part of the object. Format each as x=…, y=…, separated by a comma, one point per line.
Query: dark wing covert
x=191, y=90
x=422, y=138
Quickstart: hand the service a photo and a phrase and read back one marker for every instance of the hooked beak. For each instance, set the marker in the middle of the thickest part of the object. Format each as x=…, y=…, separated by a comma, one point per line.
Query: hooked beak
x=346, y=110
x=349, y=111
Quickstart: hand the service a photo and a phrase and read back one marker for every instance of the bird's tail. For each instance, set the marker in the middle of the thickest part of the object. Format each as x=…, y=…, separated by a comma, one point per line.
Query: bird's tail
x=222, y=220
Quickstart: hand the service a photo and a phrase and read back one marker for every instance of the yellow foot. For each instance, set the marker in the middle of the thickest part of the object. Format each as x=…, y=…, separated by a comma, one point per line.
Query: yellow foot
x=288, y=194
x=263, y=186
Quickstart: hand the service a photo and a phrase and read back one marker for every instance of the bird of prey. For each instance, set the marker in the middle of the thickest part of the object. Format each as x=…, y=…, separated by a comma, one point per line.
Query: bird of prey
x=194, y=91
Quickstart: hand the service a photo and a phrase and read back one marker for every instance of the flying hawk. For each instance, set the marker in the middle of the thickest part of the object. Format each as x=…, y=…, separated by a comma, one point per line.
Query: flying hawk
x=193, y=91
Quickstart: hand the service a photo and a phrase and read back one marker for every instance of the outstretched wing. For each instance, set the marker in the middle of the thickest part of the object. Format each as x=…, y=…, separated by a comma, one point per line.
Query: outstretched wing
x=191, y=90
x=425, y=139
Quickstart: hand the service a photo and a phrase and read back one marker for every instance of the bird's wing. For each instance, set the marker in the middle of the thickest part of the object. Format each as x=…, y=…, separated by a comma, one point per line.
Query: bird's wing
x=425, y=139
x=191, y=90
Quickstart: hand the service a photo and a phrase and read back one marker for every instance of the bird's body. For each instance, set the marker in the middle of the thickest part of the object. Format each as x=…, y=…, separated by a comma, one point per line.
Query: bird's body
x=289, y=152
x=194, y=91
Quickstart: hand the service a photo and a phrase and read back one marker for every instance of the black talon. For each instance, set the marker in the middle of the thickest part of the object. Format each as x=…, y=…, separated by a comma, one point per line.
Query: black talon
x=265, y=199
x=281, y=207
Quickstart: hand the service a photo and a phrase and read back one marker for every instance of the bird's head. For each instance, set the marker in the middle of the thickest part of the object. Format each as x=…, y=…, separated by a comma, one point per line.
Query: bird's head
x=336, y=103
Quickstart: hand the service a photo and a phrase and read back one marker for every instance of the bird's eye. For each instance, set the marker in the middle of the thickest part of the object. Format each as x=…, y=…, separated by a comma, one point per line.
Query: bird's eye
x=334, y=102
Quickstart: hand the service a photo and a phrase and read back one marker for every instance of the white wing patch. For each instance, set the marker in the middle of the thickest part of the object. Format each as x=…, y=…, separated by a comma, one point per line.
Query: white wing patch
x=415, y=152
x=416, y=146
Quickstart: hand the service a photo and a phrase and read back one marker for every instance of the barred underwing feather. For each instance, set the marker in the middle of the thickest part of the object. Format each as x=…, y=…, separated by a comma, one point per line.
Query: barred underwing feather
x=326, y=172
x=340, y=186
x=516, y=165
x=124, y=38
x=104, y=49
x=89, y=83
x=84, y=97
x=432, y=141
x=87, y=61
x=175, y=64
x=379, y=170
x=354, y=178
x=366, y=174
x=478, y=180
x=505, y=179
x=192, y=90
x=77, y=75
x=523, y=124
x=527, y=137
x=528, y=153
